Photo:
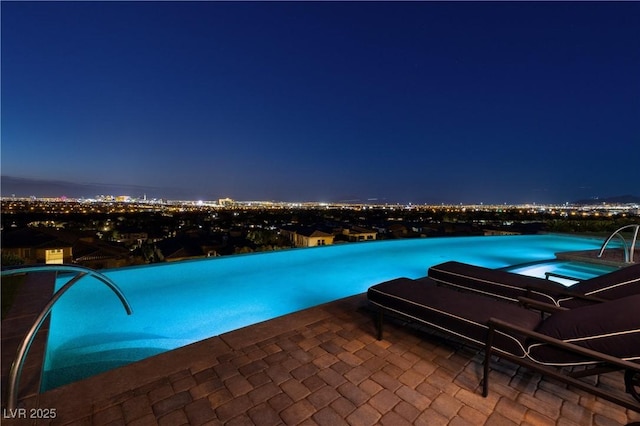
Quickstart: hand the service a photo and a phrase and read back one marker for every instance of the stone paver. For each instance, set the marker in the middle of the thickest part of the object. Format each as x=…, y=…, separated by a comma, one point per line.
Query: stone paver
x=323, y=366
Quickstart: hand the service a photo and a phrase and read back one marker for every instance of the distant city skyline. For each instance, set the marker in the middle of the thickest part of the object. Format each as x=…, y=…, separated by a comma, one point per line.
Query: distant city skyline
x=25, y=188
x=423, y=102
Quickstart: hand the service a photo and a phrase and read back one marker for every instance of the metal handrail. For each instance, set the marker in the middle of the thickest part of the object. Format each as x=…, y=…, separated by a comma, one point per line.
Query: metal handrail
x=628, y=250
x=564, y=277
x=25, y=345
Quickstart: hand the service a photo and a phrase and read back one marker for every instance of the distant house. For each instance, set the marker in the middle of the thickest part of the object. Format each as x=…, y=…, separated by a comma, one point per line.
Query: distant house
x=98, y=254
x=307, y=236
x=500, y=232
x=34, y=246
x=357, y=233
x=52, y=246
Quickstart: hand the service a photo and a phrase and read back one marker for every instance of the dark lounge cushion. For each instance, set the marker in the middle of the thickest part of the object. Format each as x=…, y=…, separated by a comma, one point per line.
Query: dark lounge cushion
x=510, y=286
x=615, y=285
x=497, y=283
x=611, y=327
x=463, y=314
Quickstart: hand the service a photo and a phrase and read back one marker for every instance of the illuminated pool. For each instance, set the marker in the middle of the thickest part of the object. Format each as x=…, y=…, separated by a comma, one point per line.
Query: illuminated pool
x=180, y=303
x=564, y=272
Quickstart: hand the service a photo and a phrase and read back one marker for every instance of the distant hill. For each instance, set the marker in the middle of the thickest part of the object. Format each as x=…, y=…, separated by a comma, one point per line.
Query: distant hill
x=23, y=187
x=621, y=199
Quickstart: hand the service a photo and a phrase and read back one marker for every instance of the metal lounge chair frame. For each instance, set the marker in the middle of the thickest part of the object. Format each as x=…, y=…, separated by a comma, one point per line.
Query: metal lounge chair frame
x=523, y=335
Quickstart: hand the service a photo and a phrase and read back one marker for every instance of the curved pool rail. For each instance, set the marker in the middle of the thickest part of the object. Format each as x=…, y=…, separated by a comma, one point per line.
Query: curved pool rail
x=628, y=249
x=25, y=345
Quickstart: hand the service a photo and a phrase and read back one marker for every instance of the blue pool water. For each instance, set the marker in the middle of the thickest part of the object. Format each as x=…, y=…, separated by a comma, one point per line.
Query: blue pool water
x=566, y=272
x=180, y=303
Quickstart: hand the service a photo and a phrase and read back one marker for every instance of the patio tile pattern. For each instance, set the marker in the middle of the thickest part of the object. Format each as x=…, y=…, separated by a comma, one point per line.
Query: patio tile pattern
x=323, y=366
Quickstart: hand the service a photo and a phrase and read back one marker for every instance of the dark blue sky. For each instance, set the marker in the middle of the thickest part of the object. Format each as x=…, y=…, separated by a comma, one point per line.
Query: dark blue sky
x=408, y=102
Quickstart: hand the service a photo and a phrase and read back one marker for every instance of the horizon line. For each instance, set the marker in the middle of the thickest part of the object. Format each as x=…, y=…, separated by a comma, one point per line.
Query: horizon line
x=74, y=188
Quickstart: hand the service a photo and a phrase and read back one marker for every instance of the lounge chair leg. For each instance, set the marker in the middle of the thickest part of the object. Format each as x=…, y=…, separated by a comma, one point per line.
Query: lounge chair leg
x=487, y=362
x=485, y=378
x=632, y=383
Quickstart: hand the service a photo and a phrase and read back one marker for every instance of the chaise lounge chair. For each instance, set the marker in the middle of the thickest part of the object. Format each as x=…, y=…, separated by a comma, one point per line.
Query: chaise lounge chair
x=600, y=337
x=511, y=286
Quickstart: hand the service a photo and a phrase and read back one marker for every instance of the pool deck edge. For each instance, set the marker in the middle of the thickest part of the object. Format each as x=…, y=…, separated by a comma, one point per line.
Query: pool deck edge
x=113, y=384
x=611, y=257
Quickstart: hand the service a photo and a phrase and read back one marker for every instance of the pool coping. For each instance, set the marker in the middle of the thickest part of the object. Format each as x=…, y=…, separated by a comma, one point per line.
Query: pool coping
x=610, y=257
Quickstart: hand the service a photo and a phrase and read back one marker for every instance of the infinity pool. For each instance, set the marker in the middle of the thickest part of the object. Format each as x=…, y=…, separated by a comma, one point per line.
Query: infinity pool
x=176, y=304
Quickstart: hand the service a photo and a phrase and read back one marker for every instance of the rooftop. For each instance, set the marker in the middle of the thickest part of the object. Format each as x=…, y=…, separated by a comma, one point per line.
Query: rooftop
x=323, y=366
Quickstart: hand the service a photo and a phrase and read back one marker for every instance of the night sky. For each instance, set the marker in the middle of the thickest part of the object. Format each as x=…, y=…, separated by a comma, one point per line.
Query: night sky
x=452, y=102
